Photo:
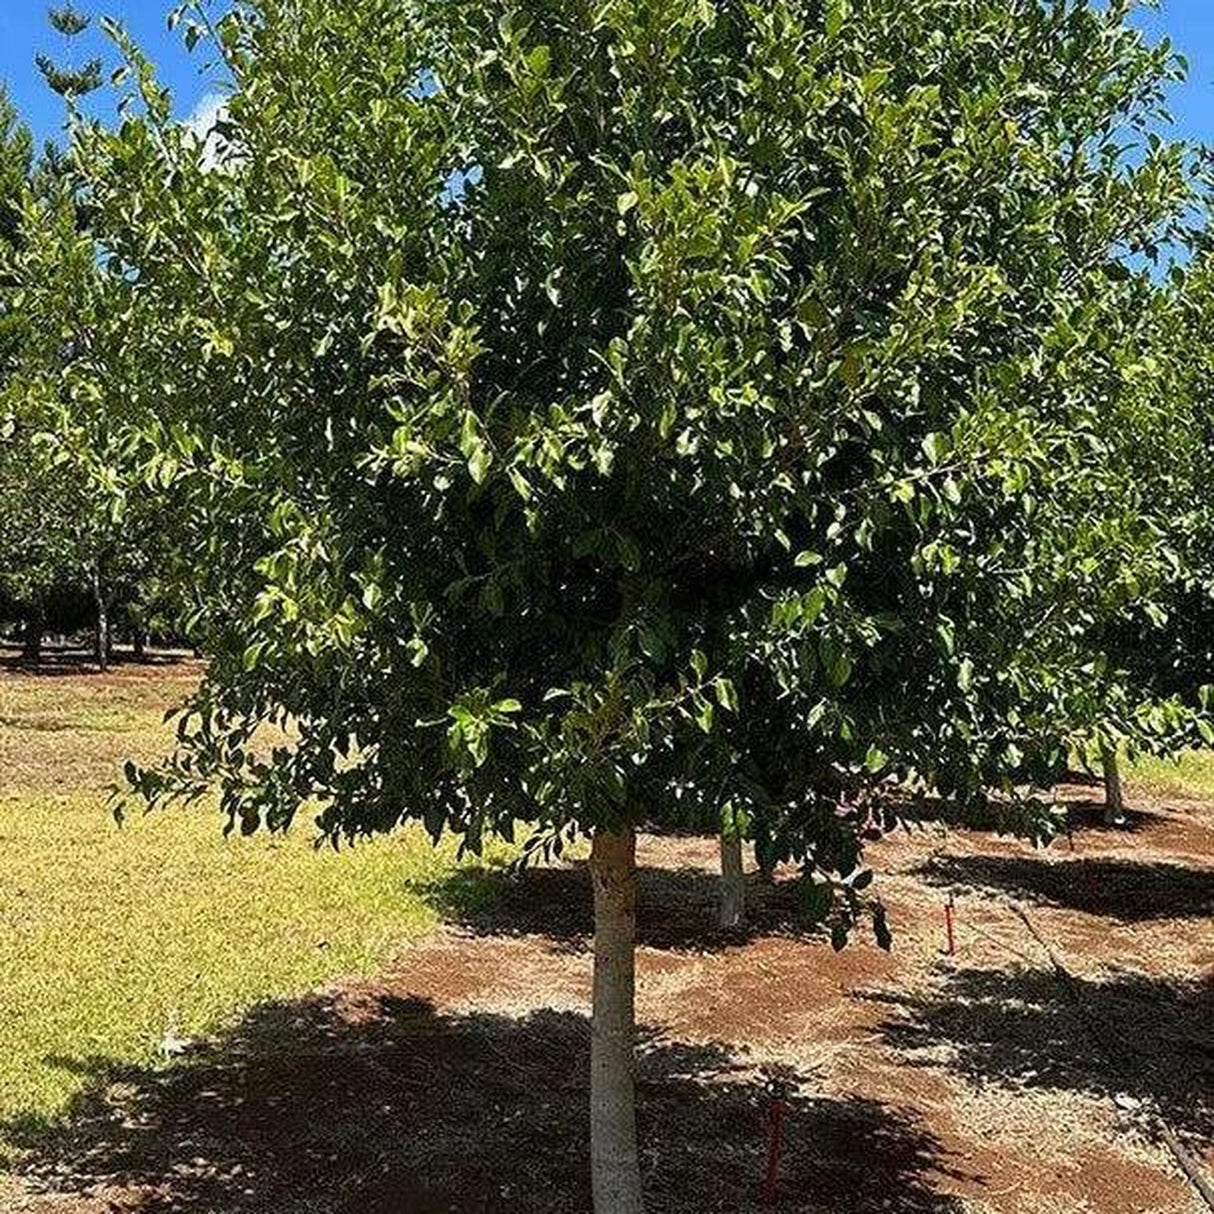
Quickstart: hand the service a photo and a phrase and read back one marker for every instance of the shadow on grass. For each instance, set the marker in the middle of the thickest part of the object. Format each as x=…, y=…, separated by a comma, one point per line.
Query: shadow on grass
x=1129, y=1035
x=36, y=725
x=395, y=1109
x=676, y=908
x=1128, y=890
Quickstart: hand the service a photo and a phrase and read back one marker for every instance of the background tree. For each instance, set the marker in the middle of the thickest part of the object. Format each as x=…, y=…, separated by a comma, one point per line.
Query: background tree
x=37, y=506
x=590, y=416
x=71, y=551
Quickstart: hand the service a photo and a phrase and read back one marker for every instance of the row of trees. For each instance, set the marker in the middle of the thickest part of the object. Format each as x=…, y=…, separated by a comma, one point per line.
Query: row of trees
x=72, y=555
x=680, y=410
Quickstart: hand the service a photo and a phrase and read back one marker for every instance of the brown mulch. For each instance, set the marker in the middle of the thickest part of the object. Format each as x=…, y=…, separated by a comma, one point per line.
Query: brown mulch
x=919, y=1082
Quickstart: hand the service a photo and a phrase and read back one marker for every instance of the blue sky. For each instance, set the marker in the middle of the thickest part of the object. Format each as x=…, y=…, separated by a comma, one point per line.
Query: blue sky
x=24, y=32
x=1190, y=25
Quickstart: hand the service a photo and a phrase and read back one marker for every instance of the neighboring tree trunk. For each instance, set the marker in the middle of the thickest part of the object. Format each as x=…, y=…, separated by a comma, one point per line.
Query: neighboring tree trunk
x=103, y=622
x=766, y=871
x=139, y=643
x=1114, y=805
x=32, y=635
x=614, y=1165
x=733, y=880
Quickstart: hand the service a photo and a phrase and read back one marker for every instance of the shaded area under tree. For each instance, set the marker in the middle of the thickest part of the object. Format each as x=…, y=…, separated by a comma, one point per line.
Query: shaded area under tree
x=393, y=1107
x=77, y=659
x=1128, y=1035
x=1128, y=890
x=676, y=908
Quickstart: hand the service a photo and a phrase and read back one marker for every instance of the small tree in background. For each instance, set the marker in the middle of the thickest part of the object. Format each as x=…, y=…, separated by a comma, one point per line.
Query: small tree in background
x=590, y=416
x=1164, y=654
x=67, y=529
x=38, y=505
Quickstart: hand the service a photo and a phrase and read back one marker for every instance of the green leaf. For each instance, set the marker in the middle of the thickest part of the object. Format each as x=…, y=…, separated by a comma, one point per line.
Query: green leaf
x=935, y=447
x=841, y=670
x=474, y=448
x=817, y=899
x=836, y=14
x=538, y=59
x=874, y=79
x=965, y=674
x=699, y=663
x=727, y=697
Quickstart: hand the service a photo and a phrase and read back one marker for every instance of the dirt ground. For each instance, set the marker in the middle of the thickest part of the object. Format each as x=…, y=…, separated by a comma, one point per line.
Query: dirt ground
x=921, y=1082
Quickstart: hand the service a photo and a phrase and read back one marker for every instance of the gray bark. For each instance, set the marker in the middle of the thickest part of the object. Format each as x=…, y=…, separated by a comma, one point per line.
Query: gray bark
x=733, y=880
x=614, y=1165
x=1114, y=804
x=102, y=646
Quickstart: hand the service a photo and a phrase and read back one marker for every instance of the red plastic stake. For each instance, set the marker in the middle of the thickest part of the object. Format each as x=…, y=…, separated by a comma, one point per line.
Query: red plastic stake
x=948, y=925
x=775, y=1139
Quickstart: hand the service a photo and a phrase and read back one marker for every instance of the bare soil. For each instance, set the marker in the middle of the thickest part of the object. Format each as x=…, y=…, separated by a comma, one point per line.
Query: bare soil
x=976, y=1083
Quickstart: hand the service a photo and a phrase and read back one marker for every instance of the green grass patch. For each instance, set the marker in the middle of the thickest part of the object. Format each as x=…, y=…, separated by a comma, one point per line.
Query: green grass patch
x=1190, y=775
x=112, y=938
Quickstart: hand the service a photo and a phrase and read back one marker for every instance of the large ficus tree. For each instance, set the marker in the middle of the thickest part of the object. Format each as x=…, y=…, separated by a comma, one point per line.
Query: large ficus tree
x=582, y=414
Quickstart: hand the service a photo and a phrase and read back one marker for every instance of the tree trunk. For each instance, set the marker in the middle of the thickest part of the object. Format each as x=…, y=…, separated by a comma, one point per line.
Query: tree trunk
x=139, y=643
x=767, y=870
x=614, y=1166
x=103, y=623
x=1114, y=805
x=733, y=881
x=32, y=636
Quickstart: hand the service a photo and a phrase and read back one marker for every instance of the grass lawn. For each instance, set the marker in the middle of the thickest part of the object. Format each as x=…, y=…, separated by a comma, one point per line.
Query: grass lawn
x=114, y=939
x=1189, y=776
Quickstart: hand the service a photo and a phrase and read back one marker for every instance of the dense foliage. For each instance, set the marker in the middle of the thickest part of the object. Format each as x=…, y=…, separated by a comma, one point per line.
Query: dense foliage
x=706, y=402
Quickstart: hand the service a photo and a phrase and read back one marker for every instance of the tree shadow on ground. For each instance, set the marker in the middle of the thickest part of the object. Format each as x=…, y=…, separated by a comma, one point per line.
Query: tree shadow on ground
x=392, y=1108
x=1081, y=778
x=676, y=908
x=68, y=661
x=1084, y=817
x=1129, y=1035
x=1129, y=890
x=1080, y=816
